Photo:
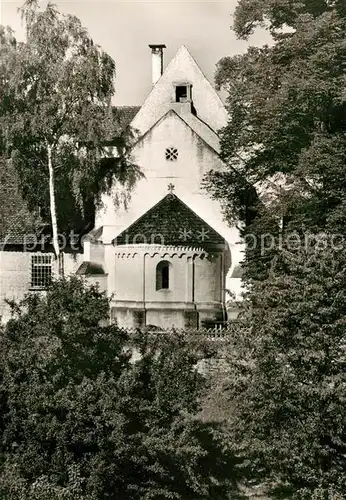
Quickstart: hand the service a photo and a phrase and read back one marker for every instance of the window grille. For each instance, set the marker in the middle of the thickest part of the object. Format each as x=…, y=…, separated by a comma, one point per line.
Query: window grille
x=41, y=271
x=171, y=154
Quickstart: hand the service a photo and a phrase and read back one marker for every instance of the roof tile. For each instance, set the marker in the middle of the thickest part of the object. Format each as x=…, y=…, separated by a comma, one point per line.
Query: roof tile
x=171, y=222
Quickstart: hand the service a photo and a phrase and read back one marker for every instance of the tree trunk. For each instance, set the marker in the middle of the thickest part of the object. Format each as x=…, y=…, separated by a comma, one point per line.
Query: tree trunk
x=52, y=203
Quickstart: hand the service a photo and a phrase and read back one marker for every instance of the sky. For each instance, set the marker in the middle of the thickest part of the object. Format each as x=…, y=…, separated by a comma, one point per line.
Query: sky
x=125, y=28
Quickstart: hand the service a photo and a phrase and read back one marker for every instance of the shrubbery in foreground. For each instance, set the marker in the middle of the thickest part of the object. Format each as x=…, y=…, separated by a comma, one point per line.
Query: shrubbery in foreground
x=79, y=419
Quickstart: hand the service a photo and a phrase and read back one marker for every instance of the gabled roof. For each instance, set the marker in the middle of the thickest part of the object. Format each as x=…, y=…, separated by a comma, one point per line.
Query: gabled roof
x=201, y=129
x=182, y=68
x=171, y=222
x=197, y=126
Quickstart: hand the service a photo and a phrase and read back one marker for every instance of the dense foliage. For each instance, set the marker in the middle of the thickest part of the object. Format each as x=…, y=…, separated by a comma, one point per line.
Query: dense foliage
x=82, y=419
x=55, y=113
x=285, y=151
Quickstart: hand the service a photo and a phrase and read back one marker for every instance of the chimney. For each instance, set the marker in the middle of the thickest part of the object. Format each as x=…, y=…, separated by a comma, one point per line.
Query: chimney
x=157, y=61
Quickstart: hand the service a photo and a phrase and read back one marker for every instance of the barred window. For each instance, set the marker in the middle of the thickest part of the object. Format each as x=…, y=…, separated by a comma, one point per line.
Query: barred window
x=41, y=271
x=171, y=154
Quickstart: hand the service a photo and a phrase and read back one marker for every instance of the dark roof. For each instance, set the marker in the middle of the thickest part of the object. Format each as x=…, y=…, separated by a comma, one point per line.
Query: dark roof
x=123, y=116
x=17, y=223
x=171, y=222
x=238, y=271
x=90, y=268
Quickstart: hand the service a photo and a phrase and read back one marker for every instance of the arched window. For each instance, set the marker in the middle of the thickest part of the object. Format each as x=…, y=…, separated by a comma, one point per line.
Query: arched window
x=162, y=275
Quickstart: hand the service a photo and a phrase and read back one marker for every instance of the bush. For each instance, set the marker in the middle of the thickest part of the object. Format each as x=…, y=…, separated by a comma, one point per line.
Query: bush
x=79, y=419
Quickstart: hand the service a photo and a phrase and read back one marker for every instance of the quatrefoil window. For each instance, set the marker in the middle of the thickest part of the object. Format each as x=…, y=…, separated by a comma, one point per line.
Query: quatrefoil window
x=171, y=154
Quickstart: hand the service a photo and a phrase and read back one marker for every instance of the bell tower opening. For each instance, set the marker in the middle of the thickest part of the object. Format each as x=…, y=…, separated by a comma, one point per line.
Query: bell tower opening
x=183, y=92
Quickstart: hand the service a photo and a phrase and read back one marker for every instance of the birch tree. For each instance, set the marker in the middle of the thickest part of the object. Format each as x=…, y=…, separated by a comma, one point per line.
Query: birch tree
x=56, y=113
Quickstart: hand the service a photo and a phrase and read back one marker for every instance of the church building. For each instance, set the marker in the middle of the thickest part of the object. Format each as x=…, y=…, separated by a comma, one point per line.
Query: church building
x=170, y=258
